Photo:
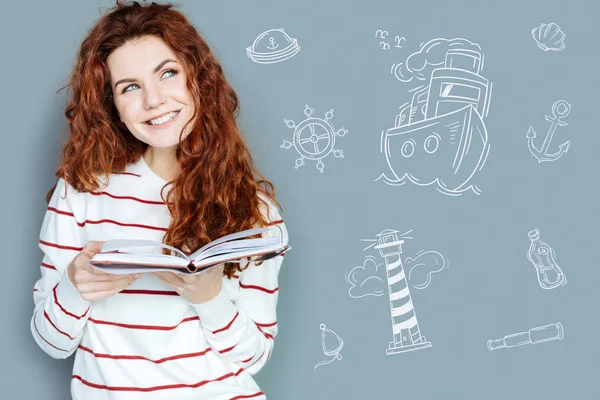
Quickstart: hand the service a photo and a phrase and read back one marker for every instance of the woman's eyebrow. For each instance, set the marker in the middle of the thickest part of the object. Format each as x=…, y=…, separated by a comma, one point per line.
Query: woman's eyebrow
x=159, y=66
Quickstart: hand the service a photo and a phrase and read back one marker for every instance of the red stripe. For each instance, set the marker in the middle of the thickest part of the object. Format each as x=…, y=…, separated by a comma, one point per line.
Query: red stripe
x=155, y=388
x=245, y=361
x=266, y=325
x=227, y=350
x=147, y=327
x=127, y=198
x=127, y=173
x=228, y=325
x=58, y=246
x=279, y=221
x=70, y=214
x=143, y=291
x=48, y=266
x=270, y=291
x=134, y=357
x=110, y=221
x=63, y=309
x=247, y=396
x=261, y=356
x=269, y=355
x=266, y=334
x=56, y=327
x=40, y=335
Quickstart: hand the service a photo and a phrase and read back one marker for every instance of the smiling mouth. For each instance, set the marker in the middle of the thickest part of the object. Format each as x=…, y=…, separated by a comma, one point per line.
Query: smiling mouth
x=164, y=119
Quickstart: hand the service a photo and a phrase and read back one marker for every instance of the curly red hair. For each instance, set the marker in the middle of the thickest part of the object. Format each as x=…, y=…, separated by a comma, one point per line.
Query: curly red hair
x=217, y=191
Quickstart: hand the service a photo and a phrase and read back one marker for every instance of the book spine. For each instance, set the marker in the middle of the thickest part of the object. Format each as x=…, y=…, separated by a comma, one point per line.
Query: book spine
x=191, y=267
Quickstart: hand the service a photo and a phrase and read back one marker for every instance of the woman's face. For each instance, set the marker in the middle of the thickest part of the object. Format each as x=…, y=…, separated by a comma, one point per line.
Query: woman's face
x=146, y=86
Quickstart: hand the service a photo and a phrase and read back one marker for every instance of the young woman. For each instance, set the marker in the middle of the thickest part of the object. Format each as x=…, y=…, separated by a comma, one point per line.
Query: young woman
x=154, y=153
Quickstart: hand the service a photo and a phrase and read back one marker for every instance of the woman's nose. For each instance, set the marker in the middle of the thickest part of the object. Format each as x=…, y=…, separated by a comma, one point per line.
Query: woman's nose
x=153, y=96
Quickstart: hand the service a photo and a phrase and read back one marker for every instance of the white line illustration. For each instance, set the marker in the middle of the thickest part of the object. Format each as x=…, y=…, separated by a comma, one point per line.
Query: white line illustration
x=542, y=257
x=314, y=138
x=329, y=337
x=560, y=109
x=381, y=34
x=422, y=266
x=444, y=121
x=272, y=46
x=398, y=40
x=405, y=328
x=549, y=37
x=364, y=281
x=537, y=335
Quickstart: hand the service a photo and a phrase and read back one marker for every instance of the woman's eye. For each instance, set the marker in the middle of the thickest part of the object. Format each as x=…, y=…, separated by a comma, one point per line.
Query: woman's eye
x=125, y=90
x=174, y=71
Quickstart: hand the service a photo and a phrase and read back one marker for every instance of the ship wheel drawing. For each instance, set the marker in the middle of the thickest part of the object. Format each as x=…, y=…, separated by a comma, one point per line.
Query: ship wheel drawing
x=314, y=138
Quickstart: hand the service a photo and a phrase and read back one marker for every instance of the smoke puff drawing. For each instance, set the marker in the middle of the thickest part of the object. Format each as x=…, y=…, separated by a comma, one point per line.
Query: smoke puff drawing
x=364, y=279
x=423, y=266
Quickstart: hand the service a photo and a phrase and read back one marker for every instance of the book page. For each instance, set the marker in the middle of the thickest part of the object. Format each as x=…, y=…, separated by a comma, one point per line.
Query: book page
x=122, y=269
x=124, y=263
x=236, y=245
x=237, y=255
x=232, y=236
x=138, y=259
x=125, y=245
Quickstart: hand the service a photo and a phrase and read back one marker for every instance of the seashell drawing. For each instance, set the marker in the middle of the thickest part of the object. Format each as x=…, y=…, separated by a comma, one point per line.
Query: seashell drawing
x=549, y=37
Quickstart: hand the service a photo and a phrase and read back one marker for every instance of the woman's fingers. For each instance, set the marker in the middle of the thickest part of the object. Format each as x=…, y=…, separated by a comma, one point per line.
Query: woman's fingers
x=85, y=275
x=93, y=296
x=100, y=286
x=92, y=247
x=170, y=277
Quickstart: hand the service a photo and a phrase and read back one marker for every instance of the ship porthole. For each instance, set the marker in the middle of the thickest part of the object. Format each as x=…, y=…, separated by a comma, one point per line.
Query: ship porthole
x=432, y=143
x=408, y=148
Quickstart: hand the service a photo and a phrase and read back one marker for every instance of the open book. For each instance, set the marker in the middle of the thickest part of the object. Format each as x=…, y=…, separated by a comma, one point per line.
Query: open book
x=127, y=256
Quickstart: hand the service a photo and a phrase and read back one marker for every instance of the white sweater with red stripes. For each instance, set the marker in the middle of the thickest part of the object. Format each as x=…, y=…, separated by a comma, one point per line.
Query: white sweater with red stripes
x=147, y=342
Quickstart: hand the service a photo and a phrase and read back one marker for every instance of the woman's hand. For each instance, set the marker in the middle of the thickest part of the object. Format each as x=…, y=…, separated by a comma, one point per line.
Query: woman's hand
x=92, y=283
x=196, y=289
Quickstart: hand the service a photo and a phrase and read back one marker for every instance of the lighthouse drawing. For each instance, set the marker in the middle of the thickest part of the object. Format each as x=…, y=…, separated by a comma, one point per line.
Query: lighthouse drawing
x=405, y=328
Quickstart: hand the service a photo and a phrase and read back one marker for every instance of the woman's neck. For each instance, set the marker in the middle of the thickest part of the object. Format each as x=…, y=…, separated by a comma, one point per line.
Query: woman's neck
x=162, y=162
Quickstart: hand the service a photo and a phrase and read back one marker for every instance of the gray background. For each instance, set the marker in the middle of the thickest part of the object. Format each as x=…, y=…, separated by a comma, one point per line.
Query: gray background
x=490, y=288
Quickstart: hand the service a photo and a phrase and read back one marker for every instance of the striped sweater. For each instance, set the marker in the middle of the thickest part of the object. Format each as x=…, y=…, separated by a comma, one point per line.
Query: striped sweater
x=147, y=342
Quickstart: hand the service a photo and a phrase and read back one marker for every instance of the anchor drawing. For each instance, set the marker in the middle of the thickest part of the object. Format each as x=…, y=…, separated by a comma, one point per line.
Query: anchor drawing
x=560, y=109
x=272, y=44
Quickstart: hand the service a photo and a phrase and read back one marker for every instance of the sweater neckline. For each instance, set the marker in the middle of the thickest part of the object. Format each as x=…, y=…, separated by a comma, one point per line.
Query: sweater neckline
x=148, y=174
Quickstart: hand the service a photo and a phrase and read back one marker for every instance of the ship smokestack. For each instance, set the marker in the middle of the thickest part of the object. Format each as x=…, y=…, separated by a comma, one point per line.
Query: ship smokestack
x=465, y=59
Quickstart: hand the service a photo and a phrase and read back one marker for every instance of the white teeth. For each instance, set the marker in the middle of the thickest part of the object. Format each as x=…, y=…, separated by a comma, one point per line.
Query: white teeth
x=164, y=118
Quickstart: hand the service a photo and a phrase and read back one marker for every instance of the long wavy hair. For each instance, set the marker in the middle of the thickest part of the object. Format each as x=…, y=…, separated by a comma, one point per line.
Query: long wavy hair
x=217, y=191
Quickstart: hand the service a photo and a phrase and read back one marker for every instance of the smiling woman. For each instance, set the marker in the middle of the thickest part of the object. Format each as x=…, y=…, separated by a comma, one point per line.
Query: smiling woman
x=152, y=99
x=152, y=113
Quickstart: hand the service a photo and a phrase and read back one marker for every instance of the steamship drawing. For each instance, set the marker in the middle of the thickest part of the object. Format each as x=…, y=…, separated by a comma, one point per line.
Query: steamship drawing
x=439, y=137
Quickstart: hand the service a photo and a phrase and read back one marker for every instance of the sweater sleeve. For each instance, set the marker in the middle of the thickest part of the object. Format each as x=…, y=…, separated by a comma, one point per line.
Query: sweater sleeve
x=60, y=313
x=243, y=331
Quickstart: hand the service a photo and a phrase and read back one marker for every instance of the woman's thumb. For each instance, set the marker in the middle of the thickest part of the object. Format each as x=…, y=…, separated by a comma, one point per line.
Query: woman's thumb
x=94, y=246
